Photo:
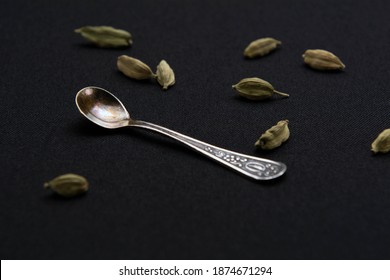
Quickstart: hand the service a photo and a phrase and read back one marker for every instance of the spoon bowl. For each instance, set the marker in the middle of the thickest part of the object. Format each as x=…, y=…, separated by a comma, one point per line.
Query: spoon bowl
x=103, y=108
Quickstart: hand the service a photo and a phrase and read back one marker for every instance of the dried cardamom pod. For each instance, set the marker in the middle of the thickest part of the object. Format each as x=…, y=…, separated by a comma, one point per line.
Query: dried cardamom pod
x=256, y=89
x=165, y=75
x=322, y=60
x=382, y=143
x=261, y=47
x=274, y=137
x=106, y=36
x=134, y=68
x=68, y=185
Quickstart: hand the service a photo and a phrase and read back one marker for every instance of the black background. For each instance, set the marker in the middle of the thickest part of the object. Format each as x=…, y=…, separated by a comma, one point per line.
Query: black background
x=152, y=198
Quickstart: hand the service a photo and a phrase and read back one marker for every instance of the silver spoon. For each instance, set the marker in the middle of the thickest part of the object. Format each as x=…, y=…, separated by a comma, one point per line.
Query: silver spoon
x=104, y=109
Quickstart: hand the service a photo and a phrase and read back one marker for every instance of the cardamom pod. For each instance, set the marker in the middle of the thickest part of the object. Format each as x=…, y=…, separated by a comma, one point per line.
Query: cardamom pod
x=256, y=89
x=274, y=137
x=134, y=68
x=68, y=185
x=165, y=75
x=261, y=47
x=106, y=36
x=322, y=60
x=382, y=143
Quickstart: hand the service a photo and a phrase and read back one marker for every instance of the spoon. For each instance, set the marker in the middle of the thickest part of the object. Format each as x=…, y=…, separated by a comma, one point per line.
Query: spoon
x=106, y=110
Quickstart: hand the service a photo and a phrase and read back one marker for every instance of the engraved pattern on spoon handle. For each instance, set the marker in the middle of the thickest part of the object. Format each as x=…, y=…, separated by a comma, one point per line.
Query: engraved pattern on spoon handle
x=254, y=167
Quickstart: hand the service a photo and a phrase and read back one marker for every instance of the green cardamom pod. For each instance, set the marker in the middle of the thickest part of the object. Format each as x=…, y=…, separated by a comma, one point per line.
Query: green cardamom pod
x=382, y=143
x=134, y=68
x=106, y=36
x=68, y=185
x=274, y=137
x=256, y=89
x=165, y=75
x=322, y=60
x=261, y=47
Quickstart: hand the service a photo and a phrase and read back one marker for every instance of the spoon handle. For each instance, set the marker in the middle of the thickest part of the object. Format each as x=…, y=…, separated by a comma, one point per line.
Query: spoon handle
x=254, y=167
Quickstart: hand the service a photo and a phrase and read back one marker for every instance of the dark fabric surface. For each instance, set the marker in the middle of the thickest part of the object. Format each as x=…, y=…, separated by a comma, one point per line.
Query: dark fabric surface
x=151, y=197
